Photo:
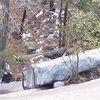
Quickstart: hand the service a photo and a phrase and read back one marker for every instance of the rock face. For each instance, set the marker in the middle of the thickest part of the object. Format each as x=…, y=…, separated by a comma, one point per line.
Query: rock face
x=62, y=68
x=30, y=78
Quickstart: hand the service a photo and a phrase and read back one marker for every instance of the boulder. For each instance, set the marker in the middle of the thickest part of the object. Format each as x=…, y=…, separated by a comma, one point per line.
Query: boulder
x=57, y=52
x=58, y=84
x=62, y=68
x=51, y=30
x=31, y=47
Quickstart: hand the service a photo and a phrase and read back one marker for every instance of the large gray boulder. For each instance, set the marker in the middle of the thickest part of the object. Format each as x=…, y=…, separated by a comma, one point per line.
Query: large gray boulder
x=61, y=68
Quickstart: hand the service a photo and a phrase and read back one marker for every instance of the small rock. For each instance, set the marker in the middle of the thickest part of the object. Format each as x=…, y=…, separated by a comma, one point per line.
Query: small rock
x=51, y=31
x=58, y=84
x=58, y=52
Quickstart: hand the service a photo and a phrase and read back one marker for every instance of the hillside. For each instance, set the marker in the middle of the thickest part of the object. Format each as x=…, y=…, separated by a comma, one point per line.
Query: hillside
x=35, y=33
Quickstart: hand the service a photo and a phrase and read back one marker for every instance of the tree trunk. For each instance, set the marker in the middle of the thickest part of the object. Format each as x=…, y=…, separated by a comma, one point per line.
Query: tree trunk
x=22, y=24
x=62, y=33
x=51, y=4
x=64, y=23
x=4, y=31
x=60, y=20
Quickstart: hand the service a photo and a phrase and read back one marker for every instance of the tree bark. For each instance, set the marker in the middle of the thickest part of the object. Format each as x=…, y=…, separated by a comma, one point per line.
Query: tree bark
x=64, y=23
x=60, y=20
x=22, y=24
x=51, y=4
x=4, y=31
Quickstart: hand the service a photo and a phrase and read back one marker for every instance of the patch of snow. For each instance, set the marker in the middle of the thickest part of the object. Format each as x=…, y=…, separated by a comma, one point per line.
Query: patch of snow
x=40, y=58
x=56, y=34
x=57, y=11
x=40, y=13
x=58, y=84
x=31, y=60
x=26, y=36
x=37, y=31
x=50, y=36
x=0, y=7
x=41, y=42
x=56, y=14
x=51, y=30
x=39, y=50
x=41, y=36
x=44, y=21
x=8, y=68
x=57, y=22
x=33, y=22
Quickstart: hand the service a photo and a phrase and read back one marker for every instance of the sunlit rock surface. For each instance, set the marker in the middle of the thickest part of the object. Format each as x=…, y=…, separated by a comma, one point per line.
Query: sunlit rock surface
x=61, y=68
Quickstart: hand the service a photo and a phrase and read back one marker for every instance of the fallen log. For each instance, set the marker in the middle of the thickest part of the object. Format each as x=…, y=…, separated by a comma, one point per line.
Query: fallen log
x=61, y=68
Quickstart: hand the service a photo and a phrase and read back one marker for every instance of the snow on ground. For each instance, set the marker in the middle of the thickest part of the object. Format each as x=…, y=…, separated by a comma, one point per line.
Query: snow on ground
x=40, y=13
x=84, y=91
x=10, y=87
